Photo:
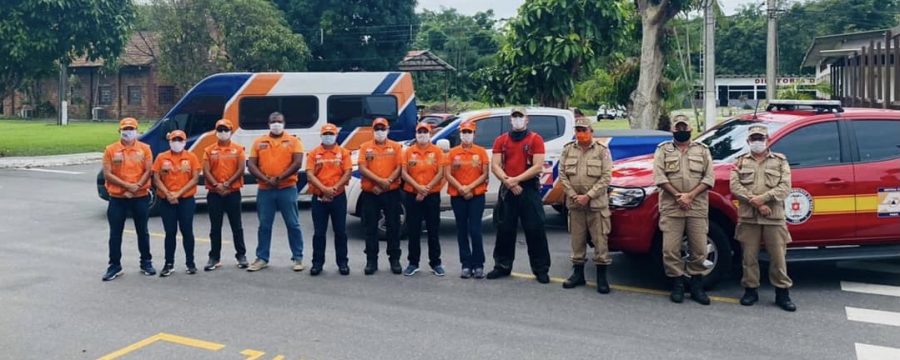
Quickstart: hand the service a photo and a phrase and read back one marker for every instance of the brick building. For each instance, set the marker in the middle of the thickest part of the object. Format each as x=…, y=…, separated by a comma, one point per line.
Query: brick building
x=133, y=89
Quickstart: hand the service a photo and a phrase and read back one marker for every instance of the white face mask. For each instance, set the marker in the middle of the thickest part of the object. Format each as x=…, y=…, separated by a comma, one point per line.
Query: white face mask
x=276, y=128
x=380, y=135
x=176, y=146
x=129, y=135
x=467, y=138
x=223, y=135
x=758, y=147
x=328, y=140
x=423, y=138
x=518, y=123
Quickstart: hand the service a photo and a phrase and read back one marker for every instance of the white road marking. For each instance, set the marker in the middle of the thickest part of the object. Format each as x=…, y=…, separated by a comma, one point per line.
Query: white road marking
x=870, y=266
x=874, y=289
x=873, y=352
x=52, y=171
x=873, y=316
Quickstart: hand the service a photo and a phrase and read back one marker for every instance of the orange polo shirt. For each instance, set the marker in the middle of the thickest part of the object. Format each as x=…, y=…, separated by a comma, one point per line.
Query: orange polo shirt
x=328, y=165
x=129, y=164
x=423, y=164
x=176, y=170
x=275, y=155
x=224, y=162
x=466, y=165
x=380, y=159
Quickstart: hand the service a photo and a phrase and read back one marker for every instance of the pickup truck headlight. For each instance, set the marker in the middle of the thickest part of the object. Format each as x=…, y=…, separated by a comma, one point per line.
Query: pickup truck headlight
x=624, y=197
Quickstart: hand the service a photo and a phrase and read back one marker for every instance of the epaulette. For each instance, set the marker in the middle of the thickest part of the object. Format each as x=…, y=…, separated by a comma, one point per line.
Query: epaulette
x=699, y=143
x=664, y=143
x=778, y=155
x=600, y=142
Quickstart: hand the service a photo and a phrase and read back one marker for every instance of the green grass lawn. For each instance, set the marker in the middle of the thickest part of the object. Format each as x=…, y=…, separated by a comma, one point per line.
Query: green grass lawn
x=617, y=124
x=43, y=137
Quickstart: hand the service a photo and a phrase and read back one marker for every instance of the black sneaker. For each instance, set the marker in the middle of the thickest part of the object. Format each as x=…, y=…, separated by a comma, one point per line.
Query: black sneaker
x=147, y=269
x=242, y=262
x=396, y=268
x=191, y=269
x=344, y=270
x=113, y=272
x=371, y=267
x=212, y=264
x=166, y=270
x=497, y=273
x=542, y=278
x=315, y=270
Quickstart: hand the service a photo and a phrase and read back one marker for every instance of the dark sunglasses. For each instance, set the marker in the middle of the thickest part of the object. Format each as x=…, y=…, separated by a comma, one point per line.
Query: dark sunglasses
x=467, y=132
x=582, y=129
x=177, y=139
x=223, y=129
x=380, y=128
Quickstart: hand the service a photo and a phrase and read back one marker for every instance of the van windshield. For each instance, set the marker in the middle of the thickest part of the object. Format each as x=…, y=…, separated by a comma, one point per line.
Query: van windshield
x=729, y=140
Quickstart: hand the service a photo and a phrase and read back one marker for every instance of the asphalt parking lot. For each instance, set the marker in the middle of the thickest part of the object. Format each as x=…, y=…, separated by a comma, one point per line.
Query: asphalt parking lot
x=53, y=251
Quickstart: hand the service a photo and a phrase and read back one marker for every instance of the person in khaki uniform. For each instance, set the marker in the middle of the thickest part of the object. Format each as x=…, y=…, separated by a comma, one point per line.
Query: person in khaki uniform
x=683, y=169
x=761, y=180
x=585, y=172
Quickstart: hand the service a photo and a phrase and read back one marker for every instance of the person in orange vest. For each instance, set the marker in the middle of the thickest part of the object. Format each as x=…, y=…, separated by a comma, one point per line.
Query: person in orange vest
x=466, y=171
x=379, y=162
x=127, y=166
x=175, y=174
x=223, y=168
x=423, y=180
x=328, y=169
x=274, y=160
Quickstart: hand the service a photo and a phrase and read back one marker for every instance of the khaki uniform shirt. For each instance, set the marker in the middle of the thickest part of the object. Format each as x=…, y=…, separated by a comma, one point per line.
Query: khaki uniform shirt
x=684, y=171
x=770, y=178
x=586, y=172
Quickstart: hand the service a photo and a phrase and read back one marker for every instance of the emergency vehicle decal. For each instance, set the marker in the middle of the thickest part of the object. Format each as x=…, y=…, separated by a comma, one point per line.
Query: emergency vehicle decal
x=889, y=202
x=798, y=206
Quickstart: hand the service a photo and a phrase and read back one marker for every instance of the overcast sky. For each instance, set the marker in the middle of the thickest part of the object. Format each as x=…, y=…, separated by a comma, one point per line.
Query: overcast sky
x=507, y=8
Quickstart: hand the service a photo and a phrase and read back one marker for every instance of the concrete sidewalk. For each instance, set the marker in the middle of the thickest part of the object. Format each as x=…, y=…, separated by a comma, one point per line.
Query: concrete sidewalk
x=49, y=161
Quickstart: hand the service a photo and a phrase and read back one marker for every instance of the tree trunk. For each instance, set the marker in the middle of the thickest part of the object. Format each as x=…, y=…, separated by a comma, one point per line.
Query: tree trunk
x=646, y=99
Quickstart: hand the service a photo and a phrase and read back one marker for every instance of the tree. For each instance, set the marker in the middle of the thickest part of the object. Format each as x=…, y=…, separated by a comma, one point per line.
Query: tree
x=202, y=37
x=371, y=35
x=37, y=35
x=551, y=43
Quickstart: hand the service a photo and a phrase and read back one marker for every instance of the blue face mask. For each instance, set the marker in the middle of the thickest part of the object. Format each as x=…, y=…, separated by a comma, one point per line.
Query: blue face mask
x=328, y=140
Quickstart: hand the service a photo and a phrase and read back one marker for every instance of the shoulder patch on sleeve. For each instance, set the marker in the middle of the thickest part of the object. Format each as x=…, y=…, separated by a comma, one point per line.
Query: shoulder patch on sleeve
x=779, y=155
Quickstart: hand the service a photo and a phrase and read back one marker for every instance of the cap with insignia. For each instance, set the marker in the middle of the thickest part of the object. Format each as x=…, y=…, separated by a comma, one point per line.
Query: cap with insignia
x=758, y=130
x=680, y=119
x=582, y=122
x=520, y=111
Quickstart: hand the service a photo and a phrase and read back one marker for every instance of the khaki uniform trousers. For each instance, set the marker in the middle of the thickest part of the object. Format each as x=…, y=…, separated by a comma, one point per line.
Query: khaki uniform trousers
x=674, y=229
x=776, y=237
x=582, y=223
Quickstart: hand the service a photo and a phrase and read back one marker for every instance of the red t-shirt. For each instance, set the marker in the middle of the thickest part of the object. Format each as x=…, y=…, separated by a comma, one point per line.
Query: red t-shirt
x=517, y=155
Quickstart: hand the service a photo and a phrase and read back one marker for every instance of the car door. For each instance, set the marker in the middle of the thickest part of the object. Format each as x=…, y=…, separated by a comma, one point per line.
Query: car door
x=820, y=208
x=876, y=155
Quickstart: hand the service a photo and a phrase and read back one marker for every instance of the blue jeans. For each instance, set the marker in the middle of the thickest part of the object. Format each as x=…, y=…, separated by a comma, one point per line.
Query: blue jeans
x=335, y=209
x=468, y=215
x=116, y=213
x=284, y=201
x=175, y=217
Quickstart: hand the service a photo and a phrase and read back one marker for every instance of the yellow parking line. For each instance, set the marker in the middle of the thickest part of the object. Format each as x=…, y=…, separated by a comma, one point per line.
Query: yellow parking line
x=252, y=354
x=625, y=288
x=161, y=235
x=175, y=339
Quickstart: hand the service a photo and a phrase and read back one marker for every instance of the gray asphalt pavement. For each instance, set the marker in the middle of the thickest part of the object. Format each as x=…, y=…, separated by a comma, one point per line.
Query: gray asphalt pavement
x=53, y=251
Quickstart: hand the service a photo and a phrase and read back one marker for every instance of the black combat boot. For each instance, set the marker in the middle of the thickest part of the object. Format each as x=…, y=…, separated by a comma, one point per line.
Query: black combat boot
x=783, y=300
x=751, y=296
x=677, y=295
x=602, y=284
x=577, y=278
x=697, y=292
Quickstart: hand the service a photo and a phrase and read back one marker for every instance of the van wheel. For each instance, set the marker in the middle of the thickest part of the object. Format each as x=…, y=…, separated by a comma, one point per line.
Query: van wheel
x=561, y=209
x=719, y=259
x=382, y=224
x=154, y=203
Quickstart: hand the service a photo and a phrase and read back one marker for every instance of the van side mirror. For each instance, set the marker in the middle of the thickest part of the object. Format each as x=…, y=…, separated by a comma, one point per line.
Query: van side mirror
x=380, y=106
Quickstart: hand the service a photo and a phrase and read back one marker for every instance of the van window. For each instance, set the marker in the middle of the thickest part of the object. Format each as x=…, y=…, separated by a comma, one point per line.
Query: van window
x=300, y=112
x=549, y=127
x=346, y=111
x=877, y=139
x=198, y=115
x=813, y=145
x=487, y=131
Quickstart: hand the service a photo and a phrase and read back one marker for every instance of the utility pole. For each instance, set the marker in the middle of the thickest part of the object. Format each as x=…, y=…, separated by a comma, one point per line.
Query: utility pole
x=771, y=52
x=709, y=64
x=62, y=117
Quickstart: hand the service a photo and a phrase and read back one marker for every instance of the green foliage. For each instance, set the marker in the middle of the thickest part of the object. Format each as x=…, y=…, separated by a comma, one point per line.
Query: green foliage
x=551, y=43
x=370, y=35
x=202, y=37
x=36, y=34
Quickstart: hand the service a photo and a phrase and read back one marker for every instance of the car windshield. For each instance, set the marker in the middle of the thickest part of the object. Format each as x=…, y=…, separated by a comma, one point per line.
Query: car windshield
x=729, y=140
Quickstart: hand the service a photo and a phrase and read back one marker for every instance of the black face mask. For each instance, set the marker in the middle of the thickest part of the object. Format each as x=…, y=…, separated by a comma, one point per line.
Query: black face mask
x=682, y=136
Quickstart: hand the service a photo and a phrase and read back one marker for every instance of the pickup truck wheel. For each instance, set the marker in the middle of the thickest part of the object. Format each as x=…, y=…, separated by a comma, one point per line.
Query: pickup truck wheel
x=718, y=260
x=561, y=209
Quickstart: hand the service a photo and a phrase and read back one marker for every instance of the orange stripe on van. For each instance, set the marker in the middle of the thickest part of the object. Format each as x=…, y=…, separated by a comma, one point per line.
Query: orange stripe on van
x=556, y=195
x=403, y=89
x=359, y=136
x=206, y=139
x=260, y=85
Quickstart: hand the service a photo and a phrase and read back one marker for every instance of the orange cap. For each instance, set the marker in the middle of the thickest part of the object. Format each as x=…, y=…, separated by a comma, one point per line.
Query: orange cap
x=128, y=122
x=380, y=121
x=225, y=123
x=329, y=128
x=175, y=134
x=422, y=125
x=467, y=125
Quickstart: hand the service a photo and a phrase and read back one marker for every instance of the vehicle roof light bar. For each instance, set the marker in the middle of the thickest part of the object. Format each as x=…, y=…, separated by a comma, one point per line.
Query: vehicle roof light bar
x=820, y=106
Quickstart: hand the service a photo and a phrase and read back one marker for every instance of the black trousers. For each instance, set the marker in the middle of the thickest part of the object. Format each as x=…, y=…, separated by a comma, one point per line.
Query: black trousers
x=372, y=207
x=336, y=210
x=429, y=209
x=219, y=206
x=528, y=208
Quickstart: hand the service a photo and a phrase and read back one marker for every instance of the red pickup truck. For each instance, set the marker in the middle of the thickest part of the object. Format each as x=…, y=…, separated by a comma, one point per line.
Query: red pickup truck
x=845, y=198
